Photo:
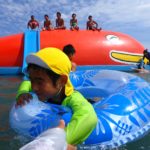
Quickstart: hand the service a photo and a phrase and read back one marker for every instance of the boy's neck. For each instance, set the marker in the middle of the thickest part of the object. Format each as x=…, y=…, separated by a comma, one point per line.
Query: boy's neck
x=58, y=99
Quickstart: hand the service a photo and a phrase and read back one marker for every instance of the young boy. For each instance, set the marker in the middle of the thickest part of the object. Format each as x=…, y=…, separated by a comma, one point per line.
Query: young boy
x=74, y=23
x=48, y=72
x=146, y=54
x=59, y=22
x=47, y=24
x=92, y=25
x=33, y=24
x=70, y=52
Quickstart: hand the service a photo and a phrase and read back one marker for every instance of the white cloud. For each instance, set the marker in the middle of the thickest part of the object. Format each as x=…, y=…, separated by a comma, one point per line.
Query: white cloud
x=122, y=11
x=122, y=15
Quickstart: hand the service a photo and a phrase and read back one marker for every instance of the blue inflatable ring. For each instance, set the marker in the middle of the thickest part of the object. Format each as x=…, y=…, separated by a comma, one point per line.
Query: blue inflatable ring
x=121, y=101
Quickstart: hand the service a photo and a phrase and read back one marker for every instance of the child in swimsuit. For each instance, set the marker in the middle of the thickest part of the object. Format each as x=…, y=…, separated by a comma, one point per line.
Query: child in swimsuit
x=74, y=23
x=59, y=22
x=48, y=71
x=47, y=24
x=33, y=24
x=92, y=25
x=146, y=54
x=70, y=52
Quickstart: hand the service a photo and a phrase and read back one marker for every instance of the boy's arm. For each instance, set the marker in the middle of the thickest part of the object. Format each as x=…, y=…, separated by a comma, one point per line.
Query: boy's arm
x=76, y=21
x=63, y=23
x=51, y=139
x=44, y=24
x=96, y=24
x=50, y=23
x=83, y=120
x=56, y=23
x=38, y=24
x=87, y=25
x=70, y=22
x=25, y=87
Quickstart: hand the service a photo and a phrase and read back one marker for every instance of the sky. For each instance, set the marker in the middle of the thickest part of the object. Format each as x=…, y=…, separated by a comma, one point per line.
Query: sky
x=131, y=17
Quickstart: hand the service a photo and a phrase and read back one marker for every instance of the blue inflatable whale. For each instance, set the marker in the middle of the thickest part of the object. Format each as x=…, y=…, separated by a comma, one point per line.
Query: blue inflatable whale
x=121, y=101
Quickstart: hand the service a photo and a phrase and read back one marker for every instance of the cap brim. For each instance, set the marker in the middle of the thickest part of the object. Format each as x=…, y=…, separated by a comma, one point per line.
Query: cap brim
x=33, y=59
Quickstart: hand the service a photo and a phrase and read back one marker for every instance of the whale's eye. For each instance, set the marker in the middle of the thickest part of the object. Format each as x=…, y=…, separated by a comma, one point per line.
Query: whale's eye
x=113, y=39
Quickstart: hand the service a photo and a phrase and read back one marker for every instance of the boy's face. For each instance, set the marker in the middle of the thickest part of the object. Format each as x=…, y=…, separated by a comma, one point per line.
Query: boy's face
x=46, y=18
x=32, y=17
x=73, y=16
x=58, y=15
x=90, y=18
x=42, y=85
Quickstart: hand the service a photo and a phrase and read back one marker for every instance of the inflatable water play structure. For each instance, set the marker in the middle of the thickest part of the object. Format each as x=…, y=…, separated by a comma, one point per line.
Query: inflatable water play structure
x=121, y=101
x=104, y=49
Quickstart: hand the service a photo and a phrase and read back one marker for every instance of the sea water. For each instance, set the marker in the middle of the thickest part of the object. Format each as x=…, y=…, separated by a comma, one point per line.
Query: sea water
x=9, y=140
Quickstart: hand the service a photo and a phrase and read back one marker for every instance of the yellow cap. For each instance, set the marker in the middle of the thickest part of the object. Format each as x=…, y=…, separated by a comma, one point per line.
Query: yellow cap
x=55, y=60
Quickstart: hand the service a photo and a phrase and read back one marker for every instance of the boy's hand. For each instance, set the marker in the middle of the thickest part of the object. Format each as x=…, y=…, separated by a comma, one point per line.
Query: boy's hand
x=23, y=98
x=71, y=147
x=61, y=124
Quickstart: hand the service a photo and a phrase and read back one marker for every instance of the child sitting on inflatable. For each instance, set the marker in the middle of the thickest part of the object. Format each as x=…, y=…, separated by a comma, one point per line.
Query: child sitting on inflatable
x=59, y=22
x=33, y=24
x=48, y=72
x=146, y=54
x=70, y=52
x=74, y=23
x=92, y=25
x=47, y=24
x=141, y=65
